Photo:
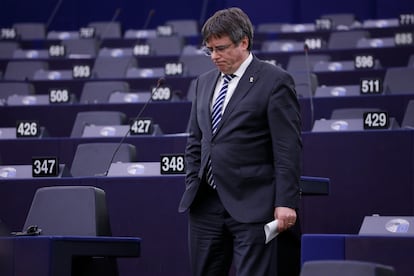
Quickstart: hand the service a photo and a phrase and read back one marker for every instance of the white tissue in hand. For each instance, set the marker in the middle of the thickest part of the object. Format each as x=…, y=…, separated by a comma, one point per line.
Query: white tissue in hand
x=271, y=230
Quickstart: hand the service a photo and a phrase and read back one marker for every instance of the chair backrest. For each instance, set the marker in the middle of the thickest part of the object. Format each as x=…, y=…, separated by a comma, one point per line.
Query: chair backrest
x=269, y=27
x=399, y=80
x=302, y=82
x=112, y=67
x=94, y=159
x=346, y=39
x=82, y=47
x=23, y=70
x=345, y=268
x=340, y=19
x=408, y=119
x=30, y=30
x=184, y=27
x=195, y=65
x=96, y=118
x=299, y=63
x=166, y=45
x=15, y=88
x=100, y=91
x=7, y=48
x=69, y=210
x=107, y=29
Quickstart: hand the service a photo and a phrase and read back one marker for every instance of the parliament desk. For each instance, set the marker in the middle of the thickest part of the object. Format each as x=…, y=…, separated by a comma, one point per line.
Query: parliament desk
x=395, y=251
x=59, y=255
x=370, y=172
x=172, y=117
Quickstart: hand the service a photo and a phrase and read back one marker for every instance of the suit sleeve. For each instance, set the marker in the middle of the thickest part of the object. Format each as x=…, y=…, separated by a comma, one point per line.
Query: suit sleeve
x=193, y=147
x=285, y=127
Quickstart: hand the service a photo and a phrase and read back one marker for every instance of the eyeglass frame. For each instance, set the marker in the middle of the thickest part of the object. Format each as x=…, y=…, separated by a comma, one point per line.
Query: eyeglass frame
x=208, y=51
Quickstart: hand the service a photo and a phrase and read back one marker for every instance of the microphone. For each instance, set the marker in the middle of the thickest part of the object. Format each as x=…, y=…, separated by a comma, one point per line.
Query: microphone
x=308, y=73
x=52, y=15
x=160, y=82
x=148, y=19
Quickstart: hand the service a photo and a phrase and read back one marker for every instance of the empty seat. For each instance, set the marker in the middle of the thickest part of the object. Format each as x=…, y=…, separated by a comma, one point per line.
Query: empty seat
x=7, y=49
x=298, y=28
x=380, y=23
x=184, y=27
x=115, y=52
x=351, y=113
x=166, y=45
x=74, y=211
x=53, y=75
x=134, y=72
x=346, y=39
x=15, y=88
x=345, y=268
x=399, y=80
x=376, y=42
x=302, y=82
x=408, y=119
x=269, y=27
x=112, y=67
x=333, y=66
x=281, y=46
x=99, y=91
x=23, y=70
x=81, y=48
x=28, y=100
x=94, y=159
x=69, y=210
x=107, y=29
x=30, y=54
x=341, y=20
x=300, y=63
x=96, y=118
x=136, y=34
x=337, y=91
x=62, y=35
x=30, y=30
x=195, y=65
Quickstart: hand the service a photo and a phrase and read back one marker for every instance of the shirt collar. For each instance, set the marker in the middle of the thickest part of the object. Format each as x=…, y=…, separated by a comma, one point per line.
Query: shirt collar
x=242, y=68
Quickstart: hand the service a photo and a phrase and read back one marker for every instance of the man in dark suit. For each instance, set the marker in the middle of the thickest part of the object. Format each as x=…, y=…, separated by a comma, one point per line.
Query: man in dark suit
x=243, y=155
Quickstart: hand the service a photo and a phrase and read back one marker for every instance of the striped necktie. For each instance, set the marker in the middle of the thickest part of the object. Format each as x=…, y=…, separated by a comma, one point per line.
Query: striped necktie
x=216, y=115
x=218, y=104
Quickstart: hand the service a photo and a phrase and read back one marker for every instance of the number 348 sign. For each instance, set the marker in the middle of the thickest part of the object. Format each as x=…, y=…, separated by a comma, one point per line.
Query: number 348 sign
x=172, y=164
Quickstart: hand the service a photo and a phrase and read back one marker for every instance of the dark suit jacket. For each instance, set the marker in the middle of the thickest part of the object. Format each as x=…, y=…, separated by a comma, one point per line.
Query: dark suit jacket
x=256, y=151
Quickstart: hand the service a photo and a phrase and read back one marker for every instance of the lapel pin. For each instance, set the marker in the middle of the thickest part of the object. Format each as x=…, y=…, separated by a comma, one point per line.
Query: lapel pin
x=251, y=79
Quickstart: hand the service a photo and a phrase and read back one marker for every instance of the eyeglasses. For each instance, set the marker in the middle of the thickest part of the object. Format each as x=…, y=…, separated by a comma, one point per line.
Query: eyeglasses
x=208, y=51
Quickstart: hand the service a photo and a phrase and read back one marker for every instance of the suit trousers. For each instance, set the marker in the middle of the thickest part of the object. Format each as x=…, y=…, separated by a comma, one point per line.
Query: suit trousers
x=217, y=240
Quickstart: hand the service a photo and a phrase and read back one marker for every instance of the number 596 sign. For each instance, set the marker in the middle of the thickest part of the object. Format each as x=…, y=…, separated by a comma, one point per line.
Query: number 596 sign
x=172, y=164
